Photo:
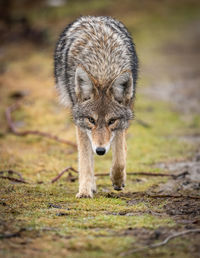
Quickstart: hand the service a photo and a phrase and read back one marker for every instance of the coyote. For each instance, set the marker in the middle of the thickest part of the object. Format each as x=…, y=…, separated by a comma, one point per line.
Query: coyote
x=96, y=72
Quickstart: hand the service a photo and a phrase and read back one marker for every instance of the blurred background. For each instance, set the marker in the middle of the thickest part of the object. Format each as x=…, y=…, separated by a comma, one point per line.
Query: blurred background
x=165, y=134
x=167, y=38
x=161, y=29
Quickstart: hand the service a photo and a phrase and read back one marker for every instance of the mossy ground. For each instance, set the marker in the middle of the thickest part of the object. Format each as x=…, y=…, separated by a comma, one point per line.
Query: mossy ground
x=86, y=227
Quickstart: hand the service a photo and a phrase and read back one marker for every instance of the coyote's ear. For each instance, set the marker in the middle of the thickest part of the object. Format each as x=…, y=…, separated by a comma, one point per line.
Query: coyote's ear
x=83, y=84
x=122, y=87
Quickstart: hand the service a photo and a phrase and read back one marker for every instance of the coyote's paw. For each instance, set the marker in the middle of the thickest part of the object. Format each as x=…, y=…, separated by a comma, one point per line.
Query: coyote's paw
x=118, y=177
x=118, y=181
x=118, y=187
x=84, y=195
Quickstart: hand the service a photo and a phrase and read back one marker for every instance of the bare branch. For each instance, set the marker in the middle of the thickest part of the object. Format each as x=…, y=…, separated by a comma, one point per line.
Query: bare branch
x=62, y=173
x=14, y=179
x=12, y=172
x=164, y=242
x=16, y=234
x=138, y=174
x=107, y=174
x=14, y=130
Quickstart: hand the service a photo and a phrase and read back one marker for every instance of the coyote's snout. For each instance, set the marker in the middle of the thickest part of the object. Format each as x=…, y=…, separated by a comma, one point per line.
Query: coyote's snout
x=100, y=139
x=96, y=73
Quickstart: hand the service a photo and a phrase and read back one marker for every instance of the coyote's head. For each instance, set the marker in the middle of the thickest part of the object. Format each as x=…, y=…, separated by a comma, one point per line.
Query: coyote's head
x=101, y=110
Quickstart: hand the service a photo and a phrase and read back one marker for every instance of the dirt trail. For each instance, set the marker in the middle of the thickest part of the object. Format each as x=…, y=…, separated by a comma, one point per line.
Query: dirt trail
x=182, y=89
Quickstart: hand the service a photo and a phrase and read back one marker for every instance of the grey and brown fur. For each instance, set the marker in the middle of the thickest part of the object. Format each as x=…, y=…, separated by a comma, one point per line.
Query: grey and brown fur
x=96, y=73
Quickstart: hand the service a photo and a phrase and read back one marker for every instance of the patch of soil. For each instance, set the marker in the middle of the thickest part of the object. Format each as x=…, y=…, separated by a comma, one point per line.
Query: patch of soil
x=147, y=236
x=183, y=210
x=187, y=179
x=146, y=239
x=180, y=195
x=186, y=182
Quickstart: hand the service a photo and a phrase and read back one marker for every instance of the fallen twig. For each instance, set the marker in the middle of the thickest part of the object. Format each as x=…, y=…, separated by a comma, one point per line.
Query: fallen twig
x=62, y=173
x=16, y=234
x=14, y=179
x=138, y=174
x=164, y=242
x=107, y=174
x=71, y=178
x=14, y=130
x=12, y=172
x=9, y=177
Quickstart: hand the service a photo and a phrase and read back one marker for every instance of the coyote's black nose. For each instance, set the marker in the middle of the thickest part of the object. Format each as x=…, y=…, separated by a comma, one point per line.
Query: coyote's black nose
x=100, y=151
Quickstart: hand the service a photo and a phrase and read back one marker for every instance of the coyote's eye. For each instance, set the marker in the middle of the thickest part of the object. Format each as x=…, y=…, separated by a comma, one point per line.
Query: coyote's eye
x=91, y=120
x=111, y=121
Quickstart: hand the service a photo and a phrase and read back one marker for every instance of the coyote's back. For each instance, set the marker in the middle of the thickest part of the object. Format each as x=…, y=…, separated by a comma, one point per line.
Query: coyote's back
x=102, y=45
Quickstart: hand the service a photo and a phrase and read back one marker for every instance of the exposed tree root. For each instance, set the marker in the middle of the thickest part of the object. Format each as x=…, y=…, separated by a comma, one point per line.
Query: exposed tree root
x=14, y=179
x=128, y=174
x=62, y=173
x=16, y=234
x=12, y=172
x=138, y=174
x=107, y=174
x=164, y=242
x=14, y=130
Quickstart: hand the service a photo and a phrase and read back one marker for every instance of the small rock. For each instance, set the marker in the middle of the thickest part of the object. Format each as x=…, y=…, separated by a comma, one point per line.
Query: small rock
x=62, y=214
x=51, y=205
x=157, y=234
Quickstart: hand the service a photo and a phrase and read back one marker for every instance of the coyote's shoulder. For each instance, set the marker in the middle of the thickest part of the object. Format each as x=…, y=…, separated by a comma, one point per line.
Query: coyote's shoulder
x=102, y=45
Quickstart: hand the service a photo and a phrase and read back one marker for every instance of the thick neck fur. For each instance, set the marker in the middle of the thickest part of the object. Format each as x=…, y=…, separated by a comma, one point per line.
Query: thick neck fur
x=99, y=49
x=101, y=45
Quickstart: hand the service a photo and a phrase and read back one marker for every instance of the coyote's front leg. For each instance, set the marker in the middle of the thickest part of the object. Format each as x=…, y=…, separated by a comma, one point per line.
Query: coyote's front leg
x=118, y=170
x=86, y=174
